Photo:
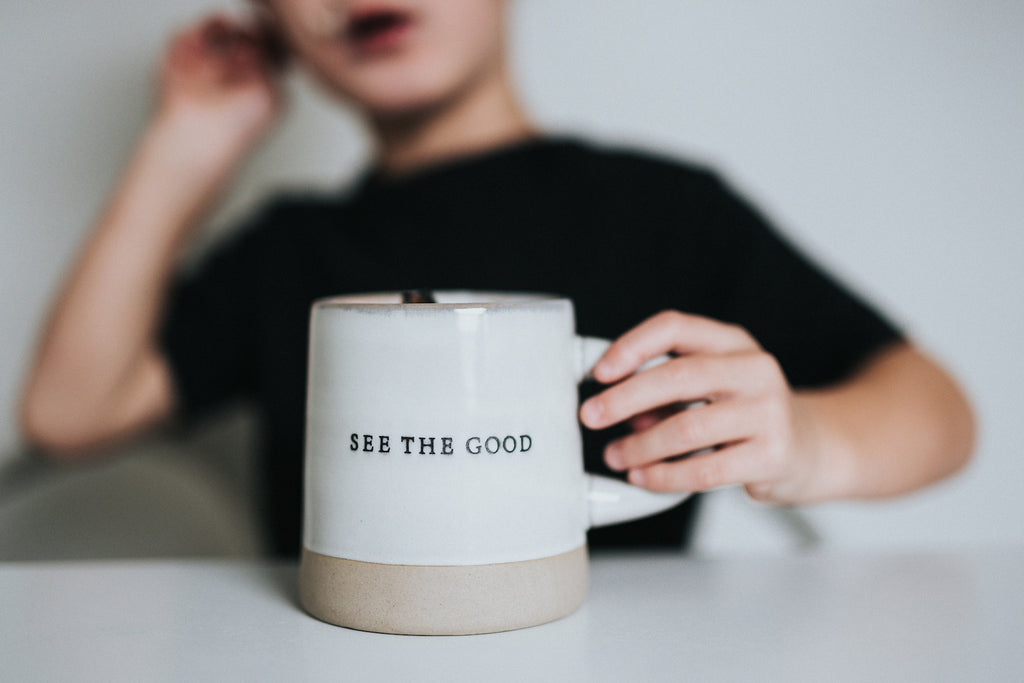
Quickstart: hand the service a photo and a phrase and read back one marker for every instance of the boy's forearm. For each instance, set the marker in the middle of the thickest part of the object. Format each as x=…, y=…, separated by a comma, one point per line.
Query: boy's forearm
x=99, y=339
x=899, y=424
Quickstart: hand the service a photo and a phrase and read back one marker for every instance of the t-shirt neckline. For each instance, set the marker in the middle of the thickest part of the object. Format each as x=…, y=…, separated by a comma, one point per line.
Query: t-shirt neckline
x=374, y=179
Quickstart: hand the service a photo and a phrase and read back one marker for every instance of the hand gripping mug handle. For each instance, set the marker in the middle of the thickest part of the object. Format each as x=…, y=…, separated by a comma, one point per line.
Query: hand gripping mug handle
x=608, y=500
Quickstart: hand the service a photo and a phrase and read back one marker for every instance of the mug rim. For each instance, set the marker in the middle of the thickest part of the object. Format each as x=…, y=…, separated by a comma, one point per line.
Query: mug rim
x=457, y=299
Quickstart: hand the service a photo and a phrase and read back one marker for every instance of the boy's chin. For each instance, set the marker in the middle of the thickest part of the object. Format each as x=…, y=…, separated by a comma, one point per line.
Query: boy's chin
x=398, y=108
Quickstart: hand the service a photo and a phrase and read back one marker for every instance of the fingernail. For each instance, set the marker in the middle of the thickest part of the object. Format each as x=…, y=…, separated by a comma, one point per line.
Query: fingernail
x=602, y=369
x=637, y=476
x=591, y=411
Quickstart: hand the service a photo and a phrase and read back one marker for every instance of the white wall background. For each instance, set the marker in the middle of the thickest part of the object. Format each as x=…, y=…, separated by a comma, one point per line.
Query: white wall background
x=886, y=137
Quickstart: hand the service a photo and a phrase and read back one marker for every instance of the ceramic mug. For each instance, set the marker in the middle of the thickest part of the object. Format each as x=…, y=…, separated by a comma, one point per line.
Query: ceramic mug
x=444, y=482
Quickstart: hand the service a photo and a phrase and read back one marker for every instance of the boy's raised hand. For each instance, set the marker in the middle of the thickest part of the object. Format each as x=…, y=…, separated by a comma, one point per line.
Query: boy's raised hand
x=751, y=418
x=219, y=88
x=99, y=374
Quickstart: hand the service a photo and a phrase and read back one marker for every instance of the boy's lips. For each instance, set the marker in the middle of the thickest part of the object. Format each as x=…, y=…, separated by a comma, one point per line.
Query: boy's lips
x=377, y=29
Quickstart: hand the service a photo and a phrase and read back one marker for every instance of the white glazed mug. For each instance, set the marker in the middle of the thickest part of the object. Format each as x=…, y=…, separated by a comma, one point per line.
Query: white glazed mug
x=444, y=482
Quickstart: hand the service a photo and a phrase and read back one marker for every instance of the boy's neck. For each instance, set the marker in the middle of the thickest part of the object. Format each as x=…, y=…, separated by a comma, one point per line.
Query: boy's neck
x=485, y=116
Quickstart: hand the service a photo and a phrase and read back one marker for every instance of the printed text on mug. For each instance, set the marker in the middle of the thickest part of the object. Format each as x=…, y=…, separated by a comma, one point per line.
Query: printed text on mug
x=439, y=445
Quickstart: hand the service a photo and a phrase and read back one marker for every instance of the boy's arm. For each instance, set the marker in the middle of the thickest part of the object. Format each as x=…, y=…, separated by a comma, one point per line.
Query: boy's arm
x=897, y=424
x=98, y=374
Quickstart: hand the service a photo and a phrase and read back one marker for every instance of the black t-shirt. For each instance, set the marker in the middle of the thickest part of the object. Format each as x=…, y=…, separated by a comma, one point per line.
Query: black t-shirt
x=623, y=234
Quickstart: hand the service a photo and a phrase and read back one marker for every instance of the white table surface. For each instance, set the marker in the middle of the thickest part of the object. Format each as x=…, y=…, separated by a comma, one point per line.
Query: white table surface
x=819, y=617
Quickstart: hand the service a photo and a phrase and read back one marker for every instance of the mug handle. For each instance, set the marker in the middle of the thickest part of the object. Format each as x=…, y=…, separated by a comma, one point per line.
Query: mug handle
x=608, y=500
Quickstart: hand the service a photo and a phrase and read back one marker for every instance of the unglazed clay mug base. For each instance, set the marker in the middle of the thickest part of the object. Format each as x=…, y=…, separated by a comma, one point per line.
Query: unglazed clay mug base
x=444, y=483
x=442, y=600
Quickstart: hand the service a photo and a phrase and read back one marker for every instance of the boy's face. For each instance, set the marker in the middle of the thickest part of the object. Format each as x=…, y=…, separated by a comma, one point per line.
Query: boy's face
x=392, y=57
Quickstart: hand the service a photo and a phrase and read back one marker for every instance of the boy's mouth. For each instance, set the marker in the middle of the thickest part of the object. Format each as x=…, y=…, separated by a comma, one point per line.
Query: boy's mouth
x=377, y=29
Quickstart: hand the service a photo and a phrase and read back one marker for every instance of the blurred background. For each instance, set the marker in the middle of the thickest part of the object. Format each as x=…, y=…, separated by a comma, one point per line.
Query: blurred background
x=887, y=138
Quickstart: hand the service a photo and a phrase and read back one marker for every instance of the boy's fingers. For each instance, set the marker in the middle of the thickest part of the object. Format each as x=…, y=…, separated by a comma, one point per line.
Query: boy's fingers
x=186, y=46
x=640, y=422
x=191, y=49
x=689, y=378
x=734, y=464
x=686, y=432
x=220, y=32
x=220, y=50
x=669, y=332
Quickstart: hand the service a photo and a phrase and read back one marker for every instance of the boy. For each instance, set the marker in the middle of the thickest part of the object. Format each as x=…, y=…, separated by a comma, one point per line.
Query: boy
x=811, y=395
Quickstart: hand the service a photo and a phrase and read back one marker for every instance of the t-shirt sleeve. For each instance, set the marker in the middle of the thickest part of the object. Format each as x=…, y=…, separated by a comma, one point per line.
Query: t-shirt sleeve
x=818, y=330
x=209, y=328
